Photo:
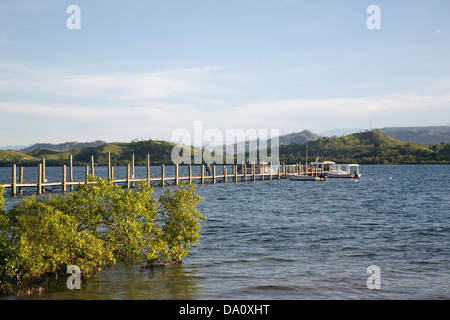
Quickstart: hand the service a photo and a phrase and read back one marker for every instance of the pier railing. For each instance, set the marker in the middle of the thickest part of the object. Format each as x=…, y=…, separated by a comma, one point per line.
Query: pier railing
x=242, y=172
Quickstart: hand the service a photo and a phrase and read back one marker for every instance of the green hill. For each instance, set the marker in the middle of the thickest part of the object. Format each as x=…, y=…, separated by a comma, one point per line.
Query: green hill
x=9, y=157
x=42, y=151
x=371, y=147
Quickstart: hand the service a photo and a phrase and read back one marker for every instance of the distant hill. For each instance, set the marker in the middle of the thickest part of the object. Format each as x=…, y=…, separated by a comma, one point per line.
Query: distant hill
x=14, y=147
x=67, y=146
x=339, y=132
x=300, y=137
x=427, y=135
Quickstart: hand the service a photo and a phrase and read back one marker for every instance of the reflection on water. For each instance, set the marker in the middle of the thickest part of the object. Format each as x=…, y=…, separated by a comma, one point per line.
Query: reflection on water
x=127, y=281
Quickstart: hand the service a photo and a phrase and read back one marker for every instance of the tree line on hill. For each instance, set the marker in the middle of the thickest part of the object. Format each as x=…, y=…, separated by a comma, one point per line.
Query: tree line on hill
x=369, y=147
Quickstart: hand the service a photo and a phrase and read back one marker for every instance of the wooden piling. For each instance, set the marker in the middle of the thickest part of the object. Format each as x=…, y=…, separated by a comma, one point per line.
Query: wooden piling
x=162, y=175
x=225, y=174
x=109, y=166
x=71, y=171
x=64, y=178
x=202, y=174
x=252, y=170
x=132, y=169
x=20, y=179
x=39, y=179
x=270, y=171
x=148, y=170
x=43, y=171
x=190, y=174
x=92, y=166
x=87, y=175
x=235, y=172
x=13, y=180
x=128, y=176
x=43, y=175
x=176, y=174
x=214, y=173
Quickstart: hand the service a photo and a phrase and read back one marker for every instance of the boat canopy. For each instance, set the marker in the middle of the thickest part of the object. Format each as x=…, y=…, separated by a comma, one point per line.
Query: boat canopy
x=319, y=163
x=345, y=167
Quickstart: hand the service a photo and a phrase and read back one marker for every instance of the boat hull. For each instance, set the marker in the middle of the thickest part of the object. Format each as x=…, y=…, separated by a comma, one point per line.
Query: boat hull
x=300, y=177
x=344, y=176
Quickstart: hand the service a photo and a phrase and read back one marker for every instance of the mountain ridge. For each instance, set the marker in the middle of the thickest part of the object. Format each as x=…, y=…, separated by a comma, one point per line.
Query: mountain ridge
x=65, y=146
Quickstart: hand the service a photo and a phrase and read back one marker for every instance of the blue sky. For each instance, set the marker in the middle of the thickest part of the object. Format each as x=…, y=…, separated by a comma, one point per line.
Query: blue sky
x=142, y=69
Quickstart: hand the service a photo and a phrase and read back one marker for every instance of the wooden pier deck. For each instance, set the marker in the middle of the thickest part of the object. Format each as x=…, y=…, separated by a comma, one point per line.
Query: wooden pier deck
x=248, y=172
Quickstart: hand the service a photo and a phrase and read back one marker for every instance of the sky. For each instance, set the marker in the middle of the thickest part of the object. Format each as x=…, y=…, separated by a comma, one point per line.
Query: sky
x=125, y=70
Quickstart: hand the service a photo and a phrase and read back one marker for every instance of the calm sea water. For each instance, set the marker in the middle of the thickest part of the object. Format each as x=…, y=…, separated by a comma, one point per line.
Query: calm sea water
x=286, y=239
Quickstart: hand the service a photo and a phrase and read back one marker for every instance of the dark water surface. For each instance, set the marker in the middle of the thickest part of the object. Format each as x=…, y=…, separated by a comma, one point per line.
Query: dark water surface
x=286, y=239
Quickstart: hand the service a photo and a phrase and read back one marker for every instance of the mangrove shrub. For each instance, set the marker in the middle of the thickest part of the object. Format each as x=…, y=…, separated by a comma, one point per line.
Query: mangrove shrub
x=92, y=228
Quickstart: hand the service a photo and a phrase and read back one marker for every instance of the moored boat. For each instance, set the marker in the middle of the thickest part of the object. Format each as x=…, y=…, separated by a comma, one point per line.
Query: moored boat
x=334, y=170
x=320, y=170
x=344, y=171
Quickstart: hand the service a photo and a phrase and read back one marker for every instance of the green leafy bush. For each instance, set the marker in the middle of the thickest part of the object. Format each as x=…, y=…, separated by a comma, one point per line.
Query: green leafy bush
x=180, y=219
x=2, y=200
x=46, y=241
x=94, y=227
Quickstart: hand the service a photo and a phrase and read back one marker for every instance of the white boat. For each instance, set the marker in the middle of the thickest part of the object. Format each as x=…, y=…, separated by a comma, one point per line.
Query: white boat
x=333, y=170
x=320, y=170
x=344, y=171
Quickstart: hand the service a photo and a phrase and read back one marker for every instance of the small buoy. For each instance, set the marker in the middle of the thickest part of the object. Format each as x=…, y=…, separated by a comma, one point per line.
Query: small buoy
x=370, y=179
x=390, y=178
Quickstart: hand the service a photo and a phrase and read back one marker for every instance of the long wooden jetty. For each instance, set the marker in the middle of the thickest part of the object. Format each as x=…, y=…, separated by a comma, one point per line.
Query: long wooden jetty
x=243, y=172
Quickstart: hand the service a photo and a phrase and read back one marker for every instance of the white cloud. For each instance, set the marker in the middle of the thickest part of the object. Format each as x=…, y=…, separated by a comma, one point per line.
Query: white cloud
x=146, y=105
x=112, y=86
x=160, y=119
x=322, y=114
